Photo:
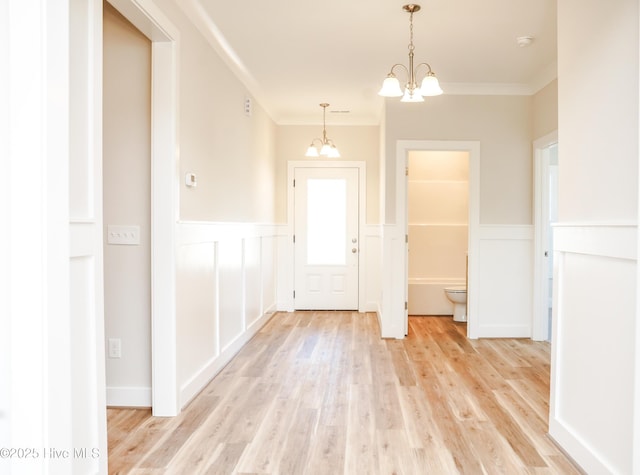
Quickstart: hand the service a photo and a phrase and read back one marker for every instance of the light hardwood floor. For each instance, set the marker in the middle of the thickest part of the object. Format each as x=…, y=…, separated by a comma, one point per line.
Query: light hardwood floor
x=321, y=393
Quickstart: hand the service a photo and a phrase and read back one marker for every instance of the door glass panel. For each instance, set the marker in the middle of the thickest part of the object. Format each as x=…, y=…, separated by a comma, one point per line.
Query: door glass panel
x=326, y=221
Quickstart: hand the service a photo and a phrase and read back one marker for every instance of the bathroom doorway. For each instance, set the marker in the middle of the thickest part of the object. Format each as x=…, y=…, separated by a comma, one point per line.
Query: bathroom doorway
x=437, y=228
x=472, y=149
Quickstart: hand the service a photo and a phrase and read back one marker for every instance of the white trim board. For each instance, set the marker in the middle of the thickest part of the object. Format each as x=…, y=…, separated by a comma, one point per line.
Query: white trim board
x=148, y=18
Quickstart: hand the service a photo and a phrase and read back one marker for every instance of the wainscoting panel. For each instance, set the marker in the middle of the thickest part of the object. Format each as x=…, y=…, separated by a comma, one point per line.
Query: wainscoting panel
x=253, y=281
x=593, y=376
x=83, y=355
x=197, y=329
x=230, y=275
x=371, y=262
x=226, y=281
x=269, y=269
x=505, y=282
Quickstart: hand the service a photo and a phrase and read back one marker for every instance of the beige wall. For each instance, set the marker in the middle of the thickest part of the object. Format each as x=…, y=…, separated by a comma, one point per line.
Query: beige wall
x=545, y=110
x=127, y=190
x=603, y=176
x=438, y=214
x=502, y=124
x=358, y=143
x=232, y=155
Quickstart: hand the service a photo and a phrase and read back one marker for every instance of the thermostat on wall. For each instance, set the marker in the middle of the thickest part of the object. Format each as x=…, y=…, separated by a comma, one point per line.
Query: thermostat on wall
x=190, y=180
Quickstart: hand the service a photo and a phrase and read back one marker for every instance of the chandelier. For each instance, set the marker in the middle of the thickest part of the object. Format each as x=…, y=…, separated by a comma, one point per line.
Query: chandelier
x=324, y=146
x=412, y=93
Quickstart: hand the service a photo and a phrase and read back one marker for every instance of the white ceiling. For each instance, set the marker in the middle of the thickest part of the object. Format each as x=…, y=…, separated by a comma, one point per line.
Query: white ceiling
x=292, y=55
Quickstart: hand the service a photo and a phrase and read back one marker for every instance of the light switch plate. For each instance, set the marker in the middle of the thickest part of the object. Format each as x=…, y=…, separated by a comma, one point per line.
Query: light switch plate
x=123, y=235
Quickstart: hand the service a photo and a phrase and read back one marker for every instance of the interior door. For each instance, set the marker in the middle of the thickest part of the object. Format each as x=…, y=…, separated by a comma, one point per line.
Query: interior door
x=326, y=238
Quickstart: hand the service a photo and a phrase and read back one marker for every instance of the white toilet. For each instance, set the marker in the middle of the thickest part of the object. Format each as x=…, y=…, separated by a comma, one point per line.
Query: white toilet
x=458, y=295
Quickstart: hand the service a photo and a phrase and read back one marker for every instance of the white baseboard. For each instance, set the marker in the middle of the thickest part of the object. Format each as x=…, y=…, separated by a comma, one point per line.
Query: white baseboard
x=371, y=307
x=504, y=331
x=585, y=457
x=128, y=397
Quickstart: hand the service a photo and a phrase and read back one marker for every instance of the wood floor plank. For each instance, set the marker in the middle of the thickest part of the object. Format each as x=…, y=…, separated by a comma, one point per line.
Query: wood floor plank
x=263, y=453
x=506, y=425
x=123, y=423
x=361, y=453
x=225, y=459
x=328, y=450
x=423, y=434
x=394, y=453
x=321, y=392
x=296, y=453
x=536, y=396
x=493, y=452
x=521, y=411
x=194, y=416
x=452, y=432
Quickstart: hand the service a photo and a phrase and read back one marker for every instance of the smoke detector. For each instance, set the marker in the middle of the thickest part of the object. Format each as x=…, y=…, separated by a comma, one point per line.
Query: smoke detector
x=524, y=41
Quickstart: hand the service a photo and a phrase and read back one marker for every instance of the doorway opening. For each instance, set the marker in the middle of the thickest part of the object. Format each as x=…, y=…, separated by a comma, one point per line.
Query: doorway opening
x=472, y=149
x=438, y=229
x=164, y=197
x=546, y=213
x=126, y=171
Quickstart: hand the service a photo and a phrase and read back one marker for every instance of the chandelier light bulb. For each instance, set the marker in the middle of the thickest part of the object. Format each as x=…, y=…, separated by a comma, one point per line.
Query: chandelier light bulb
x=325, y=150
x=312, y=151
x=391, y=87
x=430, y=86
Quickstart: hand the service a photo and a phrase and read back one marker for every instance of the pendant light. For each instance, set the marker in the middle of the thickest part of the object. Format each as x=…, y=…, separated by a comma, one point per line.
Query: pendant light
x=412, y=93
x=325, y=146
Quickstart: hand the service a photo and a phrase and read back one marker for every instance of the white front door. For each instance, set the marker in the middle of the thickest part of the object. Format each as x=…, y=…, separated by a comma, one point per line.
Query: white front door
x=326, y=238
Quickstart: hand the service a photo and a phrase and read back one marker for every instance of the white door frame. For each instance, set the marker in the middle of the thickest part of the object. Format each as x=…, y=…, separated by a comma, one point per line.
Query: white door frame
x=146, y=16
x=403, y=147
x=362, y=196
x=540, y=323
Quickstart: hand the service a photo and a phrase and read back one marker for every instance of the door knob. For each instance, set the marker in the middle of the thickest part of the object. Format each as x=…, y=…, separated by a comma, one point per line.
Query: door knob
x=354, y=250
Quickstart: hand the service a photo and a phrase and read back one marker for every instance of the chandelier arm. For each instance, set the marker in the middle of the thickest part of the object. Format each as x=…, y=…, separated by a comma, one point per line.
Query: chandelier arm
x=429, y=70
x=406, y=70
